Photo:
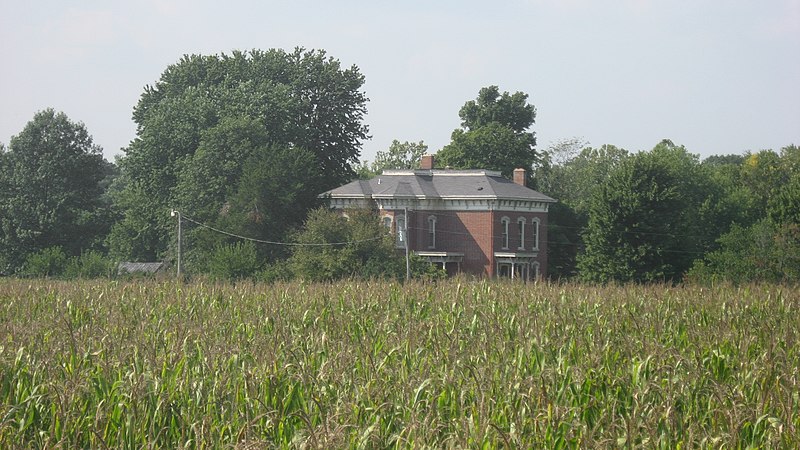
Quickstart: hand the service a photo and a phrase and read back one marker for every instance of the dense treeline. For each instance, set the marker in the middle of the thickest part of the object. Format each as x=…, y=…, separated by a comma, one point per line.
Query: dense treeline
x=664, y=215
x=245, y=142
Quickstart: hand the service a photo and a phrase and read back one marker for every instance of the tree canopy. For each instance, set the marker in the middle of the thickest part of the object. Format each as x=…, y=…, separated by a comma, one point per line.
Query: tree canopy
x=494, y=134
x=200, y=126
x=399, y=155
x=647, y=219
x=50, y=190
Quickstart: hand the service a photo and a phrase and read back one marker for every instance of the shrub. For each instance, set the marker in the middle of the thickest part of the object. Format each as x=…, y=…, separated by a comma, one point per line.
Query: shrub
x=234, y=261
x=91, y=264
x=48, y=262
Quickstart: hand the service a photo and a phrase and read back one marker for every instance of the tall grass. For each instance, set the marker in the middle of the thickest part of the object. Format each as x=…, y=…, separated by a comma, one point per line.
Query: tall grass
x=385, y=365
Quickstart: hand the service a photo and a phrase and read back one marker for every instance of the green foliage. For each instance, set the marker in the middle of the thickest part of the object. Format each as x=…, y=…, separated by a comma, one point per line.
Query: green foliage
x=48, y=262
x=53, y=262
x=454, y=364
x=272, y=196
x=91, y=264
x=645, y=220
x=572, y=173
x=494, y=146
x=207, y=116
x=400, y=155
x=494, y=134
x=511, y=110
x=784, y=206
x=233, y=261
x=764, y=243
x=333, y=247
x=764, y=251
x=50, y=190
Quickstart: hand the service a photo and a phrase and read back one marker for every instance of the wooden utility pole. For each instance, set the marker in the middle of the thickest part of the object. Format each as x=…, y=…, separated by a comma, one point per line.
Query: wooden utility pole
x=178, y=213
x=405, y=238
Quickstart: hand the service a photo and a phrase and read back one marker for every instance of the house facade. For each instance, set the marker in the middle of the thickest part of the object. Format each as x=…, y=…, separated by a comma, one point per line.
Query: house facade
x=468, y=221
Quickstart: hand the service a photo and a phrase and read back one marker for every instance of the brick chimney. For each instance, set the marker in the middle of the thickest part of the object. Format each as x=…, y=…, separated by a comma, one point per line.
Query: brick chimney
x=519, y=176
x=427, y=162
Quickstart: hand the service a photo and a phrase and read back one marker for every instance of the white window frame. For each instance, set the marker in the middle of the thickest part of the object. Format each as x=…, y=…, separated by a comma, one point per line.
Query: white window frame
x=521, y=228
x=535, y=232
x=431, y=231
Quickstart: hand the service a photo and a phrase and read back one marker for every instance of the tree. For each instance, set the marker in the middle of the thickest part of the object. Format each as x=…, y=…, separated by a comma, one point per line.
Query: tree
x=646, y=220
x=333, y=246
x=764, y=251
x=51, y=190
x=764, y=243
x=400, y=155
x=571, y=172
x=494, y=134
x=208, y=115
x=265, y=202
x=511, y=110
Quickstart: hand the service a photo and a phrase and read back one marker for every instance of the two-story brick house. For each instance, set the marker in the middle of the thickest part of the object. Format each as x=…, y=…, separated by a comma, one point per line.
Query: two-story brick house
x=470, y=221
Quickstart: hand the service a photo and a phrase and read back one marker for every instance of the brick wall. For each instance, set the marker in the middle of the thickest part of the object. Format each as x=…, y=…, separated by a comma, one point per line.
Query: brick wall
x=477, y=235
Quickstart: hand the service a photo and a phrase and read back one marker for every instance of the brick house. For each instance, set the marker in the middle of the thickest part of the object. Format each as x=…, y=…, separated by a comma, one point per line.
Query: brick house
x=470, y=221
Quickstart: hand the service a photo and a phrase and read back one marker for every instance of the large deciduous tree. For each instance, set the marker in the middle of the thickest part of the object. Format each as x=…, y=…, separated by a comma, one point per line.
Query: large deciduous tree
x=50, y=190
x=650, y=218
x=571, y=173
x=207, y=116
x=494, y=134
x=399, y=155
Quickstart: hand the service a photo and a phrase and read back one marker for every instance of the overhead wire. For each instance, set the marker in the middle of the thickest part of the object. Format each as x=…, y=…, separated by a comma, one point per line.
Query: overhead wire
x=264, y=241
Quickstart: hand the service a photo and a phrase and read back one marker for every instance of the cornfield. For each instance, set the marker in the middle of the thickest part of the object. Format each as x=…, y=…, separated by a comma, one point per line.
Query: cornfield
x=454, y=364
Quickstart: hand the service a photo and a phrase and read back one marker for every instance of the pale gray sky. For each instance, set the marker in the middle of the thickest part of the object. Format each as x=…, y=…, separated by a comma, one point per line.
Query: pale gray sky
x=716, y=76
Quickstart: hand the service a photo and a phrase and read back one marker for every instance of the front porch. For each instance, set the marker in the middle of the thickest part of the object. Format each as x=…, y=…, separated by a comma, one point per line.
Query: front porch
x=516, y=265
x=444, y=258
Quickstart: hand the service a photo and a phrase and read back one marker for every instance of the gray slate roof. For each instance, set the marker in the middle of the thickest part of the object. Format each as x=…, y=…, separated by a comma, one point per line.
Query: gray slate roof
x=438, y=184
x=139, y=267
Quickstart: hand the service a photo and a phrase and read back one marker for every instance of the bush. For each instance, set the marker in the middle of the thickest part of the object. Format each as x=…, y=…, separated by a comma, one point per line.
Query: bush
x=234, y=261
x=277, y=271
x=49, y=262
x=91, y=264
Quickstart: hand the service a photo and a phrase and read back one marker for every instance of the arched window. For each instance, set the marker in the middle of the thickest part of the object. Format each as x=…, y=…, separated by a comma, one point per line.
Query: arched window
x=521, y=228
x=387, y=222
x=400, y=232
x=431, y=231
x=504, y=224
x=535, y=233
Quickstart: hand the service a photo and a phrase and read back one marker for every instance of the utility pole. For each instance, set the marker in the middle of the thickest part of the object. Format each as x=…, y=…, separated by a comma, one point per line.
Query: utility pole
x=405, y=235
x=173, y=214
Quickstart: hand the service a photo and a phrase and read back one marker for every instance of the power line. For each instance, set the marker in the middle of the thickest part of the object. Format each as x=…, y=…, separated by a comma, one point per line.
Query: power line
x=263, y=241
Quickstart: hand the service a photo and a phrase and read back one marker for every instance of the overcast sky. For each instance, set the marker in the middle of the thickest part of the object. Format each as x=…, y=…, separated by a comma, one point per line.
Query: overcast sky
x=716, y=76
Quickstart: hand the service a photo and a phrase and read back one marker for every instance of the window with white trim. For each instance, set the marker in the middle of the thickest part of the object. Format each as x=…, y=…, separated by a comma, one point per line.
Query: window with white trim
x=535, y=233
x=387, y=222
x=431, y=231
x=521, y=228
x=504, y=225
